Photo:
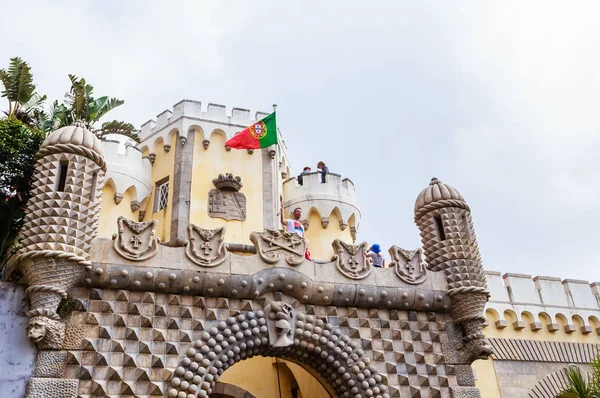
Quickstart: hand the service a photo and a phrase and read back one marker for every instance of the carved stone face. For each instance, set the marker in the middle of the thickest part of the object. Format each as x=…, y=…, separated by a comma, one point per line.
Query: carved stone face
x=36, y=330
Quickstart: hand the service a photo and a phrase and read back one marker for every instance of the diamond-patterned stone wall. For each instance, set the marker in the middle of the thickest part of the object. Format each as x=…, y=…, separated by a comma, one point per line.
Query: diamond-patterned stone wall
x=63, y=221
x=134, y=341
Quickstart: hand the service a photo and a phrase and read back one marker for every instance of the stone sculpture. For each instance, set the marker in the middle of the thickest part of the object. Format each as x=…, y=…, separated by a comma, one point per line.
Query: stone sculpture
x=61, y=219
x=449, y=241
x=46, y=333
x=352, y=260
x=226, y=201
x=282, y=322
x=271, y=244
x=408, y=265
x=136, y=241
x=206, y=247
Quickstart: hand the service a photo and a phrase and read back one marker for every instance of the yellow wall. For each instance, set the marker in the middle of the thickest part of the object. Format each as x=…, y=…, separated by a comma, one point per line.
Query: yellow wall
x=321, y=238
x=109, y=212
x=164, y=166
x=542, y=335
x=208, y=164
x=486, y=378
x=258, y=376
x=486, y=375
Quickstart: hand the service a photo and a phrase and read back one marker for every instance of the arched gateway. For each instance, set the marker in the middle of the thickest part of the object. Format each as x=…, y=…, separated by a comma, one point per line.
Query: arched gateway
x=312, y=342
x=143, y=319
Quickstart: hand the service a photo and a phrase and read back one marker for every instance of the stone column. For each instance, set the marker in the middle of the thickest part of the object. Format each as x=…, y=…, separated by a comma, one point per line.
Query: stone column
x=182, y=188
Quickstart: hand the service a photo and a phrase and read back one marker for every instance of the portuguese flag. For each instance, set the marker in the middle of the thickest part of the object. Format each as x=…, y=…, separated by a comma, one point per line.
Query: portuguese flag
x=259, y=135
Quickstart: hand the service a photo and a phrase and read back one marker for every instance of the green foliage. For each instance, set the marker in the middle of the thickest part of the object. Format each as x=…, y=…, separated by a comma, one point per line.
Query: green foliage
x=582, y=384
x=65, y=308
x=80, y=104
x=18, y=146
x=19, y=89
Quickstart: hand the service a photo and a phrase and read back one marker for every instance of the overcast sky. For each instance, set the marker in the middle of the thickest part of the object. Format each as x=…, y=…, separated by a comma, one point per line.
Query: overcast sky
x=498, y=99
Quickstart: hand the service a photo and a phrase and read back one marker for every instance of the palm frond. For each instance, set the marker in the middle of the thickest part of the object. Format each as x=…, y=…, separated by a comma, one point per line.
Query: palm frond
x=25, y=87
x=578, y=384
x=35, y=102
x=118, y=127
x=107, y=105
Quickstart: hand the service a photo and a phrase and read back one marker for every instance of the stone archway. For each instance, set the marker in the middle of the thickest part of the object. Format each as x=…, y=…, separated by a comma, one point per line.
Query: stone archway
x=550, y=386
x=224, y=390
x=316, y=345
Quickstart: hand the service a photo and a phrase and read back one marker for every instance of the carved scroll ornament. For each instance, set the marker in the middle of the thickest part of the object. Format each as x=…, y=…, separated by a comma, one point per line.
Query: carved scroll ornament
x=136, y=241
x=408, y=265
x=352, y=260
x=271, y=244
x=206, y=247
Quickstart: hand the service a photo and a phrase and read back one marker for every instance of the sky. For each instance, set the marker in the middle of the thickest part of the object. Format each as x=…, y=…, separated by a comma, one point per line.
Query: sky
x=500, y=100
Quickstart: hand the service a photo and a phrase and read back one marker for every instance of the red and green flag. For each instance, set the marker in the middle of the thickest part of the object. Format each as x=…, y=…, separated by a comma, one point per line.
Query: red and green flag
x=259, y=135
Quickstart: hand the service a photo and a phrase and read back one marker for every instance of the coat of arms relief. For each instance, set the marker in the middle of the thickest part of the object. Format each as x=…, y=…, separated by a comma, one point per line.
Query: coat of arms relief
x=136, y=241
x=408, y=265
x=226, y=201
x=352, y=260
x=206, y=247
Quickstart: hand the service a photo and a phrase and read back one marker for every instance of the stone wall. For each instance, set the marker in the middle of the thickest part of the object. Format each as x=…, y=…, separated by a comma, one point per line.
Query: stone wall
x=141, y=343
x=17, y=353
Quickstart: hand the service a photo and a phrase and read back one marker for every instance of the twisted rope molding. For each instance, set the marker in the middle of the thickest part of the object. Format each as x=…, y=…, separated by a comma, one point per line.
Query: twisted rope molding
x=54, y=253
x=47, y=289
x=72, y=148
x=439, y=204
x=467, y=290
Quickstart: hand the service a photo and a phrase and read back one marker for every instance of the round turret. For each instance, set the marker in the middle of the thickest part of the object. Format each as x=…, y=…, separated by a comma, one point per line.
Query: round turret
x=75, y=134
x=329, y=210
x=62, y=215
x=437, y=194
x=450, y=245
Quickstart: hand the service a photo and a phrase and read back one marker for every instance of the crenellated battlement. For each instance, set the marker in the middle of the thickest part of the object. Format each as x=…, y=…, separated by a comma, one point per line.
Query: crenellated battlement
x=337, y=194
x=521, y=301
x=238, y=117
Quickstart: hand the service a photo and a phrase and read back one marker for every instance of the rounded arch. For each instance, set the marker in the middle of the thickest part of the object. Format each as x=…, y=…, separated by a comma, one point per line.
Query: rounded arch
x=545, y=318
x=527, y=317
x=594, y=323
x=199, y=133
x=224, y=390
x=158, y=145
x=561, y=319
x=550, y=386
x=510, y=316
x=316, y=345
x=218, y=133
x=491, y=315
x=578, y=321
x=173, y=132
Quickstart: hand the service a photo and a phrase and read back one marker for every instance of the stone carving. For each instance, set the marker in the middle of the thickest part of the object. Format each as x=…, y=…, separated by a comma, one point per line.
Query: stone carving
x=273, y=243
x=408, y=265
x=46, y=387
x=206, y=247
x=225, y=201
x=46, y=333
x=352, y=260
x=136, y=241
x=282, y=322
x=444, y=219
x=317, y=344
